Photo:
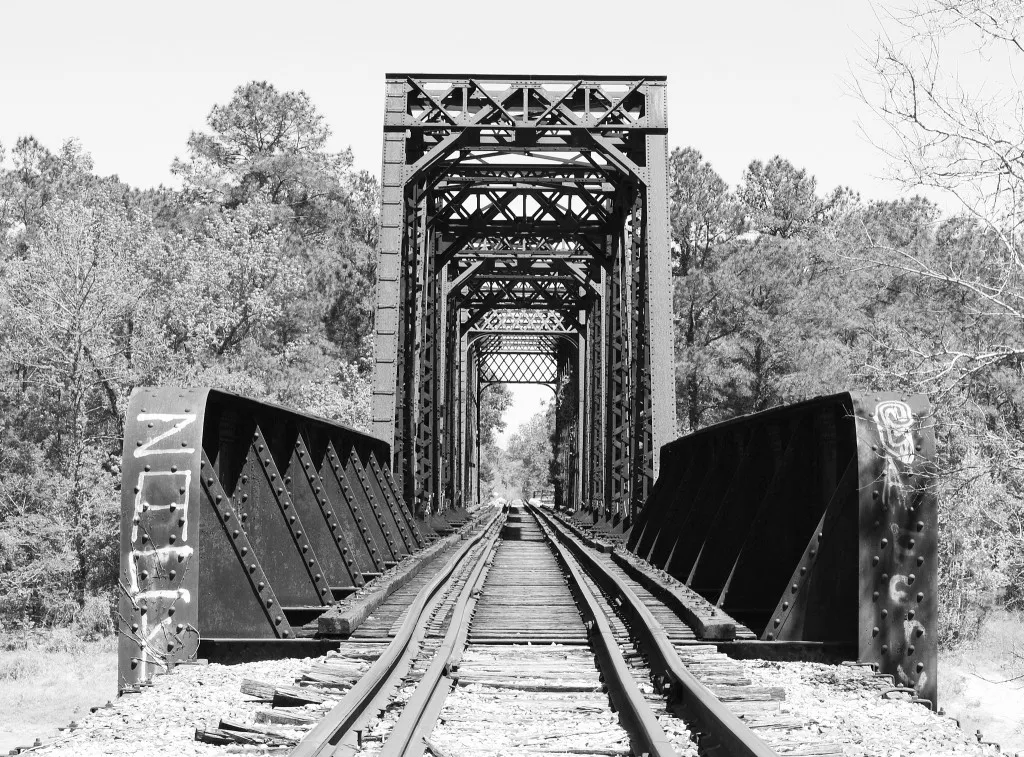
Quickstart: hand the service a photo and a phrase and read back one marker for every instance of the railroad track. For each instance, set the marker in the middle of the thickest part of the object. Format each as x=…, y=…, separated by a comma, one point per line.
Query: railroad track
x=519, y=639
x=524, y=641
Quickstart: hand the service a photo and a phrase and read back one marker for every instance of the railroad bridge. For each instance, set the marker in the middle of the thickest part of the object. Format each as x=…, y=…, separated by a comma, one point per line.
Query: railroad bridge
x=525, y=239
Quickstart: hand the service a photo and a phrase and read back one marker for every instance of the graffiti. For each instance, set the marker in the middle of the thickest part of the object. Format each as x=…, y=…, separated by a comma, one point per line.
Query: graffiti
x=184, y=419
x=895, y=422
x=159, y=557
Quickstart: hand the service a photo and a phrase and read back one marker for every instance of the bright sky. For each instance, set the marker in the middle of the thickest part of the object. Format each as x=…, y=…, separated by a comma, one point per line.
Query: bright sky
x=746, y=79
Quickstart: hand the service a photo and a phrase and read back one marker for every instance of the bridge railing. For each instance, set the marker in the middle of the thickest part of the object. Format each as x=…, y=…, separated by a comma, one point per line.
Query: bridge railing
x=243, y=521
x=811, y=522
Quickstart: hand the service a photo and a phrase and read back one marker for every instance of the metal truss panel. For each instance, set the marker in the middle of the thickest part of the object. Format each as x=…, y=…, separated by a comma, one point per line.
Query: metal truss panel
x=518, y=368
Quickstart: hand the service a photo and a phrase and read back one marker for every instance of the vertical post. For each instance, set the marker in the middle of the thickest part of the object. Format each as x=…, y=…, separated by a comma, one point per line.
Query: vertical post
x=659, y=280
x=388, y=328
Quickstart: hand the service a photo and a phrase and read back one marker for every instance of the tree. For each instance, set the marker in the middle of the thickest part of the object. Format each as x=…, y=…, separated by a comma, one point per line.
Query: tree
x=704, y=217
x=531, y=451
x=943, y=86
x=270, y=147
x=72, y=308
x=494, y=403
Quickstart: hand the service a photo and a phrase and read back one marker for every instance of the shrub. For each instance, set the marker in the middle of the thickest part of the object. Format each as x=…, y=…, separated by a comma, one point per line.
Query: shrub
x=93, y=621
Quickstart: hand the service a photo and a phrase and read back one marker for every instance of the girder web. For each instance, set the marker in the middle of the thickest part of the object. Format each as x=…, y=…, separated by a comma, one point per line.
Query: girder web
x=525, y=240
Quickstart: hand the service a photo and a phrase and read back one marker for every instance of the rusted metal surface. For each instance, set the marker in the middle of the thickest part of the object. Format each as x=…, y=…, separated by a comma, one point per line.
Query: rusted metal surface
x=811, y=522
x=243, y=520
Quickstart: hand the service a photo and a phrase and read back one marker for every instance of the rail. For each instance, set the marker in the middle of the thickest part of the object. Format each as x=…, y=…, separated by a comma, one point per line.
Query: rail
x=735, y=736
x=374, y=685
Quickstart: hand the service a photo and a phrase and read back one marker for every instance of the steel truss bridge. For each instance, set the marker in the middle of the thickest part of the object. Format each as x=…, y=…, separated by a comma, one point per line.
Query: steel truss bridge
x=525, y=240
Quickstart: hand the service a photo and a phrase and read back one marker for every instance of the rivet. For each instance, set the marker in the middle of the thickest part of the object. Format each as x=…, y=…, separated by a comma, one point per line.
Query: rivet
x=261, y=586
x=244, y=550
x=920, y=596
x=181, y=521
x=310, y=562
x=278, y=619
x=270, y=601
x=252, y=567
x=885, y=648
x=910, y=649
x=260, y=447
x=323, y=590
x=803, y=570
x=912, y=543
x=874, y=560
x=874, y=595
x=920, y=525
x=135, y=626
x=920, y=559
x=778, y=622
x=885, y=614
x=919, y=631
x=146, y=468
x=284, y=634
x=771, y=637
x=170, y=610
x=273, y=476
x=172, y=538
x=235, y=533
x=885, y=577
x=910, y=614
x=874, y=494
x=184, y=444
x=179, y=628
x=885, y=543
x=785, y=605
x=919, y=667
x=911, y=578
x=144, y=575
x=874, y=631
x=174, y=469
x=793, y=588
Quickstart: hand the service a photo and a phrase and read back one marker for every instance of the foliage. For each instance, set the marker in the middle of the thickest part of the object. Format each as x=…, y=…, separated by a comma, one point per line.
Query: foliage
x=256, y=278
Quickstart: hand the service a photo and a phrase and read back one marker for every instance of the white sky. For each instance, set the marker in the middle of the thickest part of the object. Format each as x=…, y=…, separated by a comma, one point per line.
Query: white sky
x=746, y=79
